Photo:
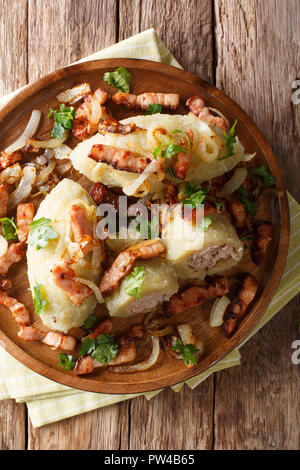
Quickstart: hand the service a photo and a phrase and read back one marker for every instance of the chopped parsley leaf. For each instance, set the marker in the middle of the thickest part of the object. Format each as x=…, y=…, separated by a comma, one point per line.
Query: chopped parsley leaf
x=154, y=108
x=188, y=352
x=229, y=141
x=9, y=229
x=134, y=281
x=119, y=78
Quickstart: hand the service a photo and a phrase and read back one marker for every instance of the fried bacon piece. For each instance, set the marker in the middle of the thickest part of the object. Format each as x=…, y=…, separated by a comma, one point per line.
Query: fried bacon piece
x=54, y=339
x=101, y=194
x=104, y=328
x=5, y=284
x=121, y=159
x=64, y=278
x=181, y=165
x=18, y=310
x=82, y=229
x=113, y=126
x=86, y=118
x=8, y=159
x=195, y=295
x=4, y=196
x=126, y=353
x=170, y=192
x=238, y=306
x=262, y=238
x=197, y=106
x=123, y=264
x=236, y=209
x=14, y=254
x=166, y=100
x=25, y=213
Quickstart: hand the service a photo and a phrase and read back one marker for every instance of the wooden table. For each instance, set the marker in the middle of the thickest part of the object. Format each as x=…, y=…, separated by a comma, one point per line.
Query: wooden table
x=250, y=49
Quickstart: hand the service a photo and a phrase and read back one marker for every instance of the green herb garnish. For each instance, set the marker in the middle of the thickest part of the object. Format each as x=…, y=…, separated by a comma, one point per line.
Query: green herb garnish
x=170, y=171
x=134, y=281
x=188, y=352
x=154, y=108
x=229, y=141
x=218, y=205
x=90, y=321
x=194, y=195
x=63, y=119
x=205, y=223
x=9, y=229
x=66, y=361
x=249, y=205
x=106, y=349
x=147, y=228
x=262, y=171
x=119, y=78
x=40, y=233
x=38, y=299
x=87, y=346
x=171, y=149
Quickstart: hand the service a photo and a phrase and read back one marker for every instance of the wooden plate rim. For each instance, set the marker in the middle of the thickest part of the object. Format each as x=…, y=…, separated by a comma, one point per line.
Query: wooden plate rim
x=256, y=312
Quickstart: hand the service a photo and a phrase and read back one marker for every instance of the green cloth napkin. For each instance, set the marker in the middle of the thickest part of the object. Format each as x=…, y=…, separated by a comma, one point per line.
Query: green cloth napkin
x=48, y=401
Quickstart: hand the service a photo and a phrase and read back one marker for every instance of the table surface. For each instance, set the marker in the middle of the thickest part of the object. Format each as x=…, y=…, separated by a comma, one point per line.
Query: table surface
x=249, y=49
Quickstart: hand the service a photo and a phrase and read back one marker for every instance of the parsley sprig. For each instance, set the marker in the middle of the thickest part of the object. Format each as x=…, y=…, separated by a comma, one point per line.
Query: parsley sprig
x=205, y=223
x=67, y=361
x=188, y=352
x=194, y=195
x=119, y=78
x=63, y=119
x=9, y=229
x=154, y=108
x=134, y=281
x=229, y=141
x=90, y=321
x=249, y=205
x=148, y=229
x=40, y=233
x=263, y=172
x=103, y=349
x=39, y=300
x=171, y=149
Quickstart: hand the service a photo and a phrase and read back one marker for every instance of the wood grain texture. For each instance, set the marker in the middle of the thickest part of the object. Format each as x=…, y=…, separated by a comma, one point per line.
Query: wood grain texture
x=182, y=420
x=106, y=428
x=61, y=32
x=258, y=58
x=13, y=37
x=257, y=404
x=12, y=425
x=192, y=45
x=13, y=74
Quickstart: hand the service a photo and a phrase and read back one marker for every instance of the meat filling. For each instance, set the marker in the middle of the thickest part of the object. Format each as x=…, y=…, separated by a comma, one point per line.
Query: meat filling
x=210, y=257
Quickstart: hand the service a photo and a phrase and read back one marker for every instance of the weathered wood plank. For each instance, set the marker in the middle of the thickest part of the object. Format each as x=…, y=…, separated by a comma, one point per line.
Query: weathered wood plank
x=257, y=405
x=182, y=420
x=106, y=428
x=13, y=74
x=175, y=415
x=258, y=58
x=13, y=45
x=62, y=32
x=184, y=27
x=12, y=429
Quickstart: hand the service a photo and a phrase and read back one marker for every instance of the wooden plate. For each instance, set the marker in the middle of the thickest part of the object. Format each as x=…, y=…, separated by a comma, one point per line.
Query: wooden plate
x=156, y=77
